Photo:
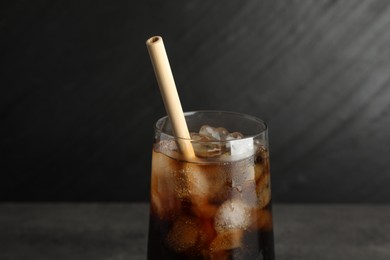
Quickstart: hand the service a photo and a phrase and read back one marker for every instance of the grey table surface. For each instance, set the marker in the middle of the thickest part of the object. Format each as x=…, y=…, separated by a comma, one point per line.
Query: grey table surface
x=119, y=231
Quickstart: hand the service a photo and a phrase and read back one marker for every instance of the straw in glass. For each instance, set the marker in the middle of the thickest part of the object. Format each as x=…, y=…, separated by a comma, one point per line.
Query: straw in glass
x=169, y=94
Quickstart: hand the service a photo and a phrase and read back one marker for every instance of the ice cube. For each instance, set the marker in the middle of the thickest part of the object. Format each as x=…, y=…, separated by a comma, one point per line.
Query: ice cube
x=247, y=193
x=184, y=234
x=228, y=240
x=241, y=148
x=232, y=214
x=201, y=138
x=259, y=169
x=234, y=136
x=204, y=182
x=241, y=171
x=250, y=173
x=180, y=184
x=163, y=203
x=222, y=133
x=256, y=195
x=205, y=147
x=208, y=149
x=261, y=153
x=206, y=143
x=168, y=147
x=198, y=185
x=218, y=133
x=264, y=190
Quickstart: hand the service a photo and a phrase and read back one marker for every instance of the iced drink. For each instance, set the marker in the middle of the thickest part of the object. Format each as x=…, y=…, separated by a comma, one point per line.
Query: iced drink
x=218, y=205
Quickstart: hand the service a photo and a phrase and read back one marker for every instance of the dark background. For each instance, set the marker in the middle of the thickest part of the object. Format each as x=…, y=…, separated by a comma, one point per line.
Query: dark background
x=79, y=98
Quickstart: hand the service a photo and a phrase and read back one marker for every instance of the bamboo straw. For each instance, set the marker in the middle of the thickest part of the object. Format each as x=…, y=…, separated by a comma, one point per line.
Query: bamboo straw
x=169, y=94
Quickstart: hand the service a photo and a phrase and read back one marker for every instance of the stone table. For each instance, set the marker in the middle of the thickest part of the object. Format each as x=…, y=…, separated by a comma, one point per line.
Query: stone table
x=119, y=231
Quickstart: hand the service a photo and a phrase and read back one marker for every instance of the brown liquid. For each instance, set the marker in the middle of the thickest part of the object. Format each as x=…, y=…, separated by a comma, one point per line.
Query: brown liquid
x=215, y=210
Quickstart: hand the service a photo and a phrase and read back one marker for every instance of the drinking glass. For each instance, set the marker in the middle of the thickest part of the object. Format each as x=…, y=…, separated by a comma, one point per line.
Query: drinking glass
x=218, y=204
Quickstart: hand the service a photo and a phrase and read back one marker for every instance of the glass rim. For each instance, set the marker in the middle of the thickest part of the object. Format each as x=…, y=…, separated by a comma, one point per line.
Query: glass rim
x=257, y=120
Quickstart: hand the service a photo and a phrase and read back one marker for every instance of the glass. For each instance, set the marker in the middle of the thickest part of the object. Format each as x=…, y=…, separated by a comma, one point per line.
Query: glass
x=218, y=205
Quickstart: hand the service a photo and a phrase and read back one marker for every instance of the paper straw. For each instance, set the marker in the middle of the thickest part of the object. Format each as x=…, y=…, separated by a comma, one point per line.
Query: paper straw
x=168, y=90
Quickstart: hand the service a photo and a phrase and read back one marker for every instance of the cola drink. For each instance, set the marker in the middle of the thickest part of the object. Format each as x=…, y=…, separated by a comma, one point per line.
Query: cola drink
x=218, y=205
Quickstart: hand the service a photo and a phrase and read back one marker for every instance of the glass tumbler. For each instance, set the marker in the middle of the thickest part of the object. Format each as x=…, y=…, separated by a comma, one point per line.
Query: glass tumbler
x=217, y=205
